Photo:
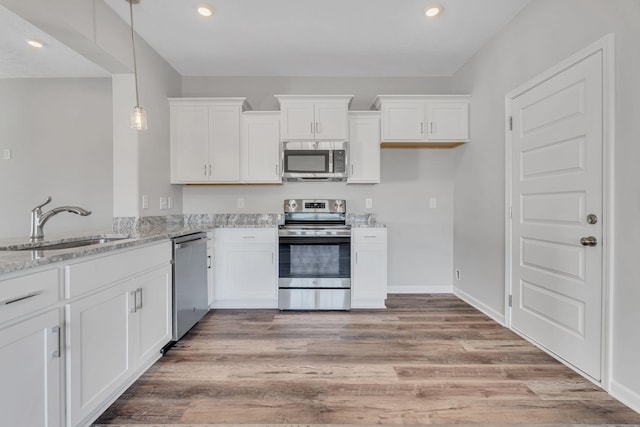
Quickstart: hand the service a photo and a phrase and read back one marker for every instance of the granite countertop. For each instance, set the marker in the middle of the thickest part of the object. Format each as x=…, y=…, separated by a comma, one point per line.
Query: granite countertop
x=149, y=231
x=12, y=260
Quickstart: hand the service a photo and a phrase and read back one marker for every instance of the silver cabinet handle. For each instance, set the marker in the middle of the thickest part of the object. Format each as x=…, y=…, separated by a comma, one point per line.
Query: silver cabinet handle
x=133, y=295
x=56, y=331
x=209, y=169
x=272, y=257
x=369, y=237
x=209, y=257
x=431, y=127
x=20, y=298
x=205, y=170
x=589, y=241
x=356, y=257
x=248, y=237
x=277, y=169
x=138, y=299
x=351, y=168
x=317, y=127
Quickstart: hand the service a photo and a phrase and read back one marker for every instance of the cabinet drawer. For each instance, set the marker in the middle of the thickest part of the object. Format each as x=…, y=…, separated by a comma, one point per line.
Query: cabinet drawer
x=247, y=235
x=369, y=235
x=93, y=274
x=29, y=293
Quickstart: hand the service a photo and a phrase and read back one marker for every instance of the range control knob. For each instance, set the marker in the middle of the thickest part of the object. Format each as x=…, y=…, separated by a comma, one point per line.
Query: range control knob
x=338, y=206
x=292, y=205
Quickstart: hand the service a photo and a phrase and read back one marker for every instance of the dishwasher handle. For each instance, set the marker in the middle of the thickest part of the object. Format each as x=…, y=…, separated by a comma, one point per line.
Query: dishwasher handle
x=188, y=243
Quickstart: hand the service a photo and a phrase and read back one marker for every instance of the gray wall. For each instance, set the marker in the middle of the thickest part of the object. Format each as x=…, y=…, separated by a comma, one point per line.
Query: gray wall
x=420, y=239
x=59, y=131
x=545, y=33
x=259, y=91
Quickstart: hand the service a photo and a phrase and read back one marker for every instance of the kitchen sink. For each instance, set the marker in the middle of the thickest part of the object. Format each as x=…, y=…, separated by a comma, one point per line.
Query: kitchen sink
x=65, y=245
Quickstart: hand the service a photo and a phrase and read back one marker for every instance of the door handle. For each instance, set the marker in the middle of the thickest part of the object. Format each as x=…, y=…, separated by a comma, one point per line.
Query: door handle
x=589, y=241
x=138, y=299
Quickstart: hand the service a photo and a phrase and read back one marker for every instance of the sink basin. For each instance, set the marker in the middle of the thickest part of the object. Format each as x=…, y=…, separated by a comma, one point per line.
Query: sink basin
x=65, y=245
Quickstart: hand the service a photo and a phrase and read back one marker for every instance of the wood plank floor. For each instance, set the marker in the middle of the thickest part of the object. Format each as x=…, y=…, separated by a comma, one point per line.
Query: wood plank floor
x=427, y=359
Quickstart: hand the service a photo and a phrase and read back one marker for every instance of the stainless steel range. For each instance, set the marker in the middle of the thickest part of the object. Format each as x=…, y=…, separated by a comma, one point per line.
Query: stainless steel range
x=315, y=256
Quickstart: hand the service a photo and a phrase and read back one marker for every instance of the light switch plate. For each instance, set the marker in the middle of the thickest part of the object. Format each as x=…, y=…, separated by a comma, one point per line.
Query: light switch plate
x=6, y=154
x=240, y=203
x=170, y=202
x=145, y=201
x=368, y=203
x=163, y=203
x=433, y=203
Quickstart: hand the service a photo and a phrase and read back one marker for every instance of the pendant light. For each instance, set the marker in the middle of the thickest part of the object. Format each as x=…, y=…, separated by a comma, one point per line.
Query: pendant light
x=138, y=115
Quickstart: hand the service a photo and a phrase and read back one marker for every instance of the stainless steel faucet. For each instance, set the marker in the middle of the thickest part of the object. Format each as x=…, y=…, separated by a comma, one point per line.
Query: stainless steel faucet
x=39, y=219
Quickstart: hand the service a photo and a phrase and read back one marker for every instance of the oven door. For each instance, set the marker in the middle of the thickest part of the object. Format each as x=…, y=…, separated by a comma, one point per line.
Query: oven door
x=315, y=262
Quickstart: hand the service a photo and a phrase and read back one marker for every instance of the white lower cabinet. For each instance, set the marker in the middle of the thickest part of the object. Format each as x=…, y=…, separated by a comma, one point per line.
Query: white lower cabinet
x=116, y=331
x=369, y=267
x=31, y=372
x=210, y=269
x=31, y=368
x=245, y=268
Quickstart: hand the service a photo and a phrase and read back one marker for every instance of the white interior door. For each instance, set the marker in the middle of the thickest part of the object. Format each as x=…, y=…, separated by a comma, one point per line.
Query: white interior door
x=557, y=184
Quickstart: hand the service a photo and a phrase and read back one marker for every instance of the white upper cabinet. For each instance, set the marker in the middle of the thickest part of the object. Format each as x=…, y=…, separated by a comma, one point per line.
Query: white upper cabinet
x=428, y=119
x=260, y=147
x=205, y=139
x=364, y=147
x=314, y=117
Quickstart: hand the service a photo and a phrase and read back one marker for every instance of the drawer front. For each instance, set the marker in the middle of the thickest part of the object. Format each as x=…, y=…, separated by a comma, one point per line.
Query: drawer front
x=29, y=293
x=247, y=235
x=369, y=235
x=93, y=274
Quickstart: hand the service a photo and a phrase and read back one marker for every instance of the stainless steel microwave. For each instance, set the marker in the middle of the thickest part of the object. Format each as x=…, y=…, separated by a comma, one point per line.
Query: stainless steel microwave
x=314, y=160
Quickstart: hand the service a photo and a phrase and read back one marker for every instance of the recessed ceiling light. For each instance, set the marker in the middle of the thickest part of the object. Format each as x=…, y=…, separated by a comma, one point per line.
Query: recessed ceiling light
x=432, y=11
x=204, y=11
x=35, y=43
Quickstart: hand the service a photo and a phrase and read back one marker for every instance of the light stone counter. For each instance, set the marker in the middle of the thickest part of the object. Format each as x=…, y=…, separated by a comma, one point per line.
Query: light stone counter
x=141, y=231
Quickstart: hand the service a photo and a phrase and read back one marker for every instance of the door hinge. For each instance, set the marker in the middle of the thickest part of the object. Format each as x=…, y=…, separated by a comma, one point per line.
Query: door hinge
x=510, y=122
x=510, y=300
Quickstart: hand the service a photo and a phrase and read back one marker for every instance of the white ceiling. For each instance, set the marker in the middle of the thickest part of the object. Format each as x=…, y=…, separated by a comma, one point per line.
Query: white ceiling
x=18, y=59
x=318, y=37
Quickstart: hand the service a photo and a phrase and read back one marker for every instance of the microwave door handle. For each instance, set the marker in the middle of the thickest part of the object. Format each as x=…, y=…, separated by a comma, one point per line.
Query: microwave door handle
x=330, y=161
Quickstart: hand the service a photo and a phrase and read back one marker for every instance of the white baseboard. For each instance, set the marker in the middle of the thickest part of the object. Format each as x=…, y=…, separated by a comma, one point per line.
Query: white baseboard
x=625, y=395
x=420, y=289
x=498, y=317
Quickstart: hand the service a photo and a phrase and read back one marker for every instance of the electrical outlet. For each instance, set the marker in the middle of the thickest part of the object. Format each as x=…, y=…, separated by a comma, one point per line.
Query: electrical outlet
x=368, y=203
x=433, y=203
x=240, y=203
x=145, y=201
x=6, y=154
x=163, y=203
x=457, y=274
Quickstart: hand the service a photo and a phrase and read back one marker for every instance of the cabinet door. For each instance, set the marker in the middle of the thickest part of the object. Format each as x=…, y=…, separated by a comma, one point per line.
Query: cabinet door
x=364, y=150
x=31, y=390
x=403, y=121
x=448, y=121
x=210, y=275
x=189, y=143
x=152, y=328
x=248, y=277
x=261, y=150
x=369, y=280
x=98, y=356
x=224, y=139
x=297, y=121
x=331, y=121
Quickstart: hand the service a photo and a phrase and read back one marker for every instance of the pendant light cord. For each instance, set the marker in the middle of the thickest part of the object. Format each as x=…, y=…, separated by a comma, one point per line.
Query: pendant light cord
x=133, y=44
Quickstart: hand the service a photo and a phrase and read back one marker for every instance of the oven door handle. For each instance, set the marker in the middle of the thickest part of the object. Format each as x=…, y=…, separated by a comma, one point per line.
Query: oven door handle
x=313, y=240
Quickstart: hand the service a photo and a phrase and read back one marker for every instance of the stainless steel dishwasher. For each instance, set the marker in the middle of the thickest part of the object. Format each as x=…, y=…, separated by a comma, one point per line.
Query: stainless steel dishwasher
x=190, y=295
